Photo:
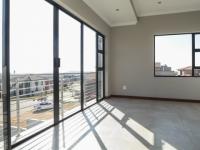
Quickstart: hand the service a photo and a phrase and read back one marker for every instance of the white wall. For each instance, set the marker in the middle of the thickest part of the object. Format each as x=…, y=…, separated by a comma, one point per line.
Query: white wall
x=132, y=58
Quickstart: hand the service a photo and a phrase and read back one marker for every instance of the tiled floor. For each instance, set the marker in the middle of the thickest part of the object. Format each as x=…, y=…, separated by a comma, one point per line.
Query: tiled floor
x=125, y=124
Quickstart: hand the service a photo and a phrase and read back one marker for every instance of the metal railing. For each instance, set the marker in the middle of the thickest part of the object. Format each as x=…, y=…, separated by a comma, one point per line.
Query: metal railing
x=26, y=94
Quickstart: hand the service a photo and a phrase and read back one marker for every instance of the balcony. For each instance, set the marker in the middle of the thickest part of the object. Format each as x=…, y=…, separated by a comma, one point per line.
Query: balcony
x=32, y=100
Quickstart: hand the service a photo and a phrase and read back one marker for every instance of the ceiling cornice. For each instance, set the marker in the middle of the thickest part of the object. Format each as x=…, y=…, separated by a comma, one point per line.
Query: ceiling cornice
x=167, y=12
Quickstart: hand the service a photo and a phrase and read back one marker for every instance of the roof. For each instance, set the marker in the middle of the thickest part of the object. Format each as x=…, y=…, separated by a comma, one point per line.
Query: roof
x=30, y=77
x=185, y=68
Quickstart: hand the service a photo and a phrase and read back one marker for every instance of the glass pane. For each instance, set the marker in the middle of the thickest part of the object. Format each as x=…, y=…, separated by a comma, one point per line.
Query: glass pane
x=89, y=66
x=196, y=72
x=31, y=67
x=100, y=43
x=100, y=84
x=1, y=103
x=69, y=39
x=197, y=59
x=173, y=55
x=197, y=41
x=100, y=60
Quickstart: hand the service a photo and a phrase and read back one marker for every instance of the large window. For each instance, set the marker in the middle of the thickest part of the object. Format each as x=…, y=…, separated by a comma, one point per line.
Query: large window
x=177, y=55
x=31, y=67
x=89, y=66
x=69, y=53
x=55, y=67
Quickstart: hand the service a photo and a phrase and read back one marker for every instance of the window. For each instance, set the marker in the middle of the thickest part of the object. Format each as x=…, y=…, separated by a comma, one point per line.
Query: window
x=89, y=66
x=197, y=41
x=100, y=66
x=177, y=55
x=100, y=42
x=197, y=59
x=100, y=85
x=100, y=60
x=196, y=54
x=47, y=47
x=69, y=53
x=31, y=67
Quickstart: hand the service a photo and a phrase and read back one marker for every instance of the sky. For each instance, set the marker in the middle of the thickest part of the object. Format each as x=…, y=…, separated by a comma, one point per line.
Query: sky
x=197, y=41
x=70, y=45
x=197, y=46
x=174, y=50
x=197, y=59
x=31, y=43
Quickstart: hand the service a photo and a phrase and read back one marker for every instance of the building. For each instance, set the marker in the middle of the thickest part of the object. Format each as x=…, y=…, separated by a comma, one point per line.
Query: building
x=164, y=70
x=30, y=84
x=187, y=71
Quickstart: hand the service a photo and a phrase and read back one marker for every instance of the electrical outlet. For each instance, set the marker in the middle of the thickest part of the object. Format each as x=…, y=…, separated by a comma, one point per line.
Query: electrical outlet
x=124, y=87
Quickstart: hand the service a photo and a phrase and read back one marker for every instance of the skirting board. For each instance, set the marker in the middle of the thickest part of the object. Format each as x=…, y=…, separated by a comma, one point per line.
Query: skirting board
x=157, y=98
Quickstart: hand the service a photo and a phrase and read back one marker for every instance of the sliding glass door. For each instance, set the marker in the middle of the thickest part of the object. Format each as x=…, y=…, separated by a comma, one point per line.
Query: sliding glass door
x=69, y=53
x=31, y=67
x=54, y=65
x=89, y=66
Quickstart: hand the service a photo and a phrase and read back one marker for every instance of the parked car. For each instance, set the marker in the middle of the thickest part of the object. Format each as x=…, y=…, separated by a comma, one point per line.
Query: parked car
x=43, y=104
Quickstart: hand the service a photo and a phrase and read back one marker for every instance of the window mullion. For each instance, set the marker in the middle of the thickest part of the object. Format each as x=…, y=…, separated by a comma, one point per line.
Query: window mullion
x=193, y=53
x=56, y=64
x=6, y=74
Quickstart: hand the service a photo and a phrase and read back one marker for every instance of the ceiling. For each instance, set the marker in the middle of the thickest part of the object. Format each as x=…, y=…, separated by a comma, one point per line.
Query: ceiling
x=106, y=9
x=126, y=12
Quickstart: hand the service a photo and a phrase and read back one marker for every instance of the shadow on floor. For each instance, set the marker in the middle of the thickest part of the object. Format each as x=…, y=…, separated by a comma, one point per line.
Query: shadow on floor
x=125, y=124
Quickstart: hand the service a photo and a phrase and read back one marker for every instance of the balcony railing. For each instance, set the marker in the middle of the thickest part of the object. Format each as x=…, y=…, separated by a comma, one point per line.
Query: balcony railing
x=27, y=97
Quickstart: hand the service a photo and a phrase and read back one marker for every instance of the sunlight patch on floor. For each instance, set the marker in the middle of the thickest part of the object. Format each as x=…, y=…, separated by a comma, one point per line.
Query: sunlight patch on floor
x=118, y=114
x=89, y=142
x=118, y=137
x=141, y=130
x=167, y=146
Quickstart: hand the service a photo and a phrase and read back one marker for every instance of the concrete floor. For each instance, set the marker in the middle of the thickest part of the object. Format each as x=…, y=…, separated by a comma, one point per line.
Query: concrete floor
x=125, y=124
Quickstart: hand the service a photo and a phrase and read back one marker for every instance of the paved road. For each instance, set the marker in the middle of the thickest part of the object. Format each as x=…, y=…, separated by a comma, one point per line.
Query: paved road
x=25, y=105
x=28, y=104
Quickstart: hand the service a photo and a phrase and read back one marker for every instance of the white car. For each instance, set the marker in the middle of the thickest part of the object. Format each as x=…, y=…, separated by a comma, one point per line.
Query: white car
x=43, y=105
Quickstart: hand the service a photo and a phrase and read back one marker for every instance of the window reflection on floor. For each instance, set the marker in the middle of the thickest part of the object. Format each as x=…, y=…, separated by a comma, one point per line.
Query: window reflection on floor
x=132, y=124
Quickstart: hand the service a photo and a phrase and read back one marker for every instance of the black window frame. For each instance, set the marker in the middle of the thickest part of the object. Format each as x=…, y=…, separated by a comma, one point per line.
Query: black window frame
x=193, y=54
x=56, y=65
x=102, y=68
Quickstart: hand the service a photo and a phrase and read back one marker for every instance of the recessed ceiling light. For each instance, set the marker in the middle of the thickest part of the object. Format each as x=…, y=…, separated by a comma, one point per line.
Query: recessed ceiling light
x=117, y=9
x=159, y=2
